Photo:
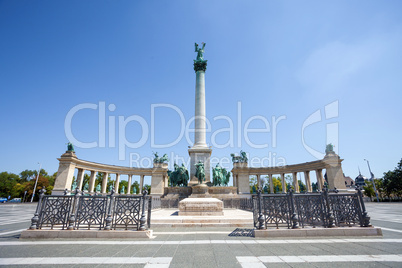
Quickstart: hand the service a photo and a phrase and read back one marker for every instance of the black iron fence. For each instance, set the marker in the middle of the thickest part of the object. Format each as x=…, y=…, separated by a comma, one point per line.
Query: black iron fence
x=74, y=212
x=325, y=209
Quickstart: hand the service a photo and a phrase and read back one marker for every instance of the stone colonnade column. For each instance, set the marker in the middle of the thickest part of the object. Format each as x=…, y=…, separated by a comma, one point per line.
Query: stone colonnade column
x=283, y=182
x=129, y=184
x=141, y=183
x=320, y=179
x=307, y=179
x=271, y=184
x=104, y=182
x=92, y=181
x=80, y=178
x=200, y=150
x=258, y=181
x=117, y=183
x=295, y=182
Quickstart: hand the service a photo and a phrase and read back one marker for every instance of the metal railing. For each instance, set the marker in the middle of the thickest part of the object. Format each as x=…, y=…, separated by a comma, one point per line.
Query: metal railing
x=325, y=209
x=102, y=212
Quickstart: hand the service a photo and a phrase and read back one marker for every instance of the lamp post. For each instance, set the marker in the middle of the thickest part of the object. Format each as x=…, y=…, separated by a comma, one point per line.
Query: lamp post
x=372, y=179
x=36, y=182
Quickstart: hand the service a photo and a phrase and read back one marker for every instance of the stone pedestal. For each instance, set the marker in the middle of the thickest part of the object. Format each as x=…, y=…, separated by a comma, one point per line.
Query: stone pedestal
x=199, y=191
x=243, y=179
x=203, y=155
x=158, y=178
x=201, y=207
x=335, y=175
x=65, y=173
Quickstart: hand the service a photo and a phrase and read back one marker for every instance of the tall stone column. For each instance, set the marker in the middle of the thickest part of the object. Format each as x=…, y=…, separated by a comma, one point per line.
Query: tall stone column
x=141, y=183
x=92, y=180
x=283, y=183
x=117, y=183
x=104, y=182
x=295, y=182
x=271, y=184
x=308, y=182
x=320, y=179
x=200, y=150
x=129, y=184
x=80, y=178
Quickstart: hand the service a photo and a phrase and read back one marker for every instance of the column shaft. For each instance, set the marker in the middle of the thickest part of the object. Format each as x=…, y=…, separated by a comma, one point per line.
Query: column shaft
x=92, y=180
x=141, y=183
x=283, y=183
x=117, y=183
x=307, y=179
x=295, y=182
x=104, y=182
x=271, y=184
x=320, y=179
x=200, y=119
x=80, y=178
x=129, y=184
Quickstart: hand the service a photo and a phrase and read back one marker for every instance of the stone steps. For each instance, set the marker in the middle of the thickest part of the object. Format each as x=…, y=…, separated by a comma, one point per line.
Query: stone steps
x=231, y=218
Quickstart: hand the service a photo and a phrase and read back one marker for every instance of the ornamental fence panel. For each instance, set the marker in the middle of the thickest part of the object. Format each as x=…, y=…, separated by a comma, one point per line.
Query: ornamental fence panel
x=325, y=209
x=54, y=211
x=76, y=211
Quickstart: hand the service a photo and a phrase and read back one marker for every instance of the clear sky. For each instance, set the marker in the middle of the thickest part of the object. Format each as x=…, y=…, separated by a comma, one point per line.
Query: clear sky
x=305, y=73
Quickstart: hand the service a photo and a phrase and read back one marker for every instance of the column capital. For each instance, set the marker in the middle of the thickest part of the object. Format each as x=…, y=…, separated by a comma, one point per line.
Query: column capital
x=200, y=65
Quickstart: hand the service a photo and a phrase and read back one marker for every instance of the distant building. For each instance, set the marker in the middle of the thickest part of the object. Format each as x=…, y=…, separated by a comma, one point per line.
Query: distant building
x=349, y=182
x=360, y=180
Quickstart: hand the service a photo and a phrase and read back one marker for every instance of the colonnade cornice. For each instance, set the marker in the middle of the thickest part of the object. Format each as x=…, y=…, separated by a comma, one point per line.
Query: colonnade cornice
x=111, y=169
x=308, y=166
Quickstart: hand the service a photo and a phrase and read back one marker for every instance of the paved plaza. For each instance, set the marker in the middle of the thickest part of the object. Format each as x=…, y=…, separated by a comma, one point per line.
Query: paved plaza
x=203, y=246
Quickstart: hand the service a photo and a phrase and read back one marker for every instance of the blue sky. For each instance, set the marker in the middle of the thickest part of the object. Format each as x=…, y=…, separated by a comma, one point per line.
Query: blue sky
x=274, y=59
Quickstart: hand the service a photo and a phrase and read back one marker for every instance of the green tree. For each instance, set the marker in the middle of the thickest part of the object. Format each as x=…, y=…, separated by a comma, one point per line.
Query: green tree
x=392, y=181
x=276, y=181
x=252, y=183
x=369, y=189
x=148, y=187
x=7, y=183
x=135, y=185
x=125, y=184
x=302, y=186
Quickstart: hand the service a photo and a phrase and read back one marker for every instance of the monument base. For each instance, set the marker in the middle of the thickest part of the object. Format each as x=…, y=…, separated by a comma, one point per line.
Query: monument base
x=201, y=207
x=203, y=155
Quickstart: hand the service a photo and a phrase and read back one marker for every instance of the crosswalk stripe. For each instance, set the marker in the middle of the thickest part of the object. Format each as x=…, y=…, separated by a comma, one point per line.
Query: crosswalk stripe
x=251, y=261
x=13, y=232
x=149, y=261
x=391, y=230
x=190, y=242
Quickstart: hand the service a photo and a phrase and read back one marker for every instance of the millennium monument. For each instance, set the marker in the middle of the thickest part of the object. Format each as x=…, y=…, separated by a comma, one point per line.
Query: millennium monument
x=200, y=150
x=99, y=209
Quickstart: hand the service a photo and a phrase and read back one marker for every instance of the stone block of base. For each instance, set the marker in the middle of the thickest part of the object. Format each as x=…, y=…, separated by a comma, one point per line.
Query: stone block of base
x=66, y=234
x=319, y=232
x=200, y=207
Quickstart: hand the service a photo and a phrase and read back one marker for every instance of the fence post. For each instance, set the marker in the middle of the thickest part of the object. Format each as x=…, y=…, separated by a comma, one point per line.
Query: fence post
x=260, y=216
x=365, y=218
x=295, y=219
x=330, y=216
x=71, y=220
x=35, y=219
x=150, y=203
x=143, y=219
x=109, y=213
